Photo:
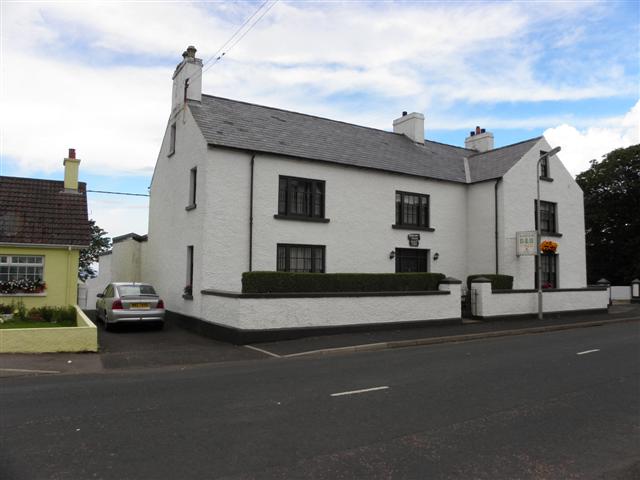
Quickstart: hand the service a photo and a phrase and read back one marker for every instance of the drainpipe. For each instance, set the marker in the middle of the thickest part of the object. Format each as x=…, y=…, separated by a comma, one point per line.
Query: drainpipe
x=253, y=161
x=495, y=204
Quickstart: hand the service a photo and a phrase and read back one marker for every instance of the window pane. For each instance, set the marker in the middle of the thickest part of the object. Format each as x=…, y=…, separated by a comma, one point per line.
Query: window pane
x=282, y=196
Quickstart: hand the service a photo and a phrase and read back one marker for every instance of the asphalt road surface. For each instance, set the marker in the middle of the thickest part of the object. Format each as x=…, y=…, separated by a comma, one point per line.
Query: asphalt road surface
x=553, y=406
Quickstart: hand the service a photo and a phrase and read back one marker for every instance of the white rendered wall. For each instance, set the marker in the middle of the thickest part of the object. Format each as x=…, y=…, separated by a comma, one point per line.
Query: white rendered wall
x=98, y=284
x=171, y=227
x=519, y=187
x=277, y=313
x=126, y=261
x=488, y=304
x=621, y=292
x=480, y=217
x=360, y=205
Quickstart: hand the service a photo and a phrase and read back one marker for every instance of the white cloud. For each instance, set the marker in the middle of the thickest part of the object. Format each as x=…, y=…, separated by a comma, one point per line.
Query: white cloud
x=579, y=147
x=119, y=217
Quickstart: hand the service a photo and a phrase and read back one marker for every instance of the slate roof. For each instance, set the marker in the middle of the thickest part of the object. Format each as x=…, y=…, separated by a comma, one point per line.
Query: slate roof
x=41, y=212
x=495, y=163
x=234, y=124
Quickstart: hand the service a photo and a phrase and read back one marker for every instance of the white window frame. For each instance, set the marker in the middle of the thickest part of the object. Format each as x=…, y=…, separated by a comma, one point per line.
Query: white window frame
x=9, y=260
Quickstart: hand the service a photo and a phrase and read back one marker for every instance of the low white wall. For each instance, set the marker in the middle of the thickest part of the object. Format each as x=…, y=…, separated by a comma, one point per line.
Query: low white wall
x=267, y=313
x=486, y=303
x=621, y=292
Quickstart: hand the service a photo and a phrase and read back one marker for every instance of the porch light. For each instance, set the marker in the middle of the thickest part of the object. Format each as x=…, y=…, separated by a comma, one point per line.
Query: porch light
x=436, y=256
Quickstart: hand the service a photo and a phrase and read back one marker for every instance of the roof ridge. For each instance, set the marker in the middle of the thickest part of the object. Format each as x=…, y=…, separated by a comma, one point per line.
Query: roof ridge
x=31, y=179
x=323, y=118
x=506, y=146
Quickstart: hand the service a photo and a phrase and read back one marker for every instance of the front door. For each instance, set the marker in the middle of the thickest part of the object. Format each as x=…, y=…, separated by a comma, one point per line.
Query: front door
x=412, y=260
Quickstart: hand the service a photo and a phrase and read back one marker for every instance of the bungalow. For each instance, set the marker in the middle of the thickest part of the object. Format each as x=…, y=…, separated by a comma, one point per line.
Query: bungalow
x=43, y=227
x=241, y=187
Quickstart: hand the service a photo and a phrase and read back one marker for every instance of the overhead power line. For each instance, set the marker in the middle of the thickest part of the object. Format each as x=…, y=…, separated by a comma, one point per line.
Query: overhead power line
x=119, y=193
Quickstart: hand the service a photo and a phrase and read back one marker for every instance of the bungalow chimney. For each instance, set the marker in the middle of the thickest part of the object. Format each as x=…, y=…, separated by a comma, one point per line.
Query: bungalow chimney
x=411, y=125
x=187, y=79
x=71, y=164
x=479, y=140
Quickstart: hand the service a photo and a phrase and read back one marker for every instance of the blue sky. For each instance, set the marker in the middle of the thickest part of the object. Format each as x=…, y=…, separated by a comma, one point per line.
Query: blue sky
x=96, y=76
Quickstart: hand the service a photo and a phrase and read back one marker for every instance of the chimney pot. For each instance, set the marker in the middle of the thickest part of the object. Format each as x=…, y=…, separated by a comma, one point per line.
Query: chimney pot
x=478, y=130
x=191, y=51
x=72, y=153
x=404, y=114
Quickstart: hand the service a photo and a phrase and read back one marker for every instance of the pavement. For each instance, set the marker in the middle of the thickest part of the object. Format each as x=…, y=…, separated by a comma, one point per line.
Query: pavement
x=143, y=347
x=563, y=405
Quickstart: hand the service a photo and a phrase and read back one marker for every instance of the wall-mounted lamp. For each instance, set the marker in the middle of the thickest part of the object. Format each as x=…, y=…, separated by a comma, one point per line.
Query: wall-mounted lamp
x=392, y=254
x=436, y=256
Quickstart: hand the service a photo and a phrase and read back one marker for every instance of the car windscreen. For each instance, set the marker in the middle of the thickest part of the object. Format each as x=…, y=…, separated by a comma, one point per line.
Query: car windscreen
x=134, y=290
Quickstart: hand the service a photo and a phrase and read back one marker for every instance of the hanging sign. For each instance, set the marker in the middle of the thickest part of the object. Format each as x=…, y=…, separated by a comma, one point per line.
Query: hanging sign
x=414, y=239
x=526, y=243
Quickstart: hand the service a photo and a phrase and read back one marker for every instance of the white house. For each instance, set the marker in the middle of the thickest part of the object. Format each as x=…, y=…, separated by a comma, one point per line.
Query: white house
x=240, y=187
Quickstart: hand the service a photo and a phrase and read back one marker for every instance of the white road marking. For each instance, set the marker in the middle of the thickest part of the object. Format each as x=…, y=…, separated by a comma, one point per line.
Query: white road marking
x=588, y=351
x=27, y=371
x=353, y=392
x=266, y=352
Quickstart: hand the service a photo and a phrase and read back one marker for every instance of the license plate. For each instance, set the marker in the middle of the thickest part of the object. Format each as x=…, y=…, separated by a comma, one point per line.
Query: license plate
x=144, y=306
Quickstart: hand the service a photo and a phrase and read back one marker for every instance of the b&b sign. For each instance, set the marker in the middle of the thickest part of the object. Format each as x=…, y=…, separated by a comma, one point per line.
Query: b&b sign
x=526, y=243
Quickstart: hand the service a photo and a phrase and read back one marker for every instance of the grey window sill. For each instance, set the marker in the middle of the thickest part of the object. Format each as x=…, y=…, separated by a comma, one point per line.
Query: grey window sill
x=546, y=179
x=170, y=154
x=413, y=227
x=551, y=234
x=301, y=219
x=190, y=207
x=187, y=297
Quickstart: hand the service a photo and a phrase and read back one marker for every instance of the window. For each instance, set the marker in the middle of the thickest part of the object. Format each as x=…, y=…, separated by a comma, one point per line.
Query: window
x=548, y=221
x=135, y=290
x=412, y=209
x=412, y=260
x=172, y=140
x=544, y=166
x=189, y=268
x=301, y=197
x=549, y=271
x=300, y=258
x=21, y=267
x=192, y=188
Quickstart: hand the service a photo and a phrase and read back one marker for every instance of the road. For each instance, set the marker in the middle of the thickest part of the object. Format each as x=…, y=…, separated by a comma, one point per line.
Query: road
x=532, y=406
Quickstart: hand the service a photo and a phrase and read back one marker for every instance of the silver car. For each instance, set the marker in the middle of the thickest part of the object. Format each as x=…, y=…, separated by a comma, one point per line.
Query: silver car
x=124, y=302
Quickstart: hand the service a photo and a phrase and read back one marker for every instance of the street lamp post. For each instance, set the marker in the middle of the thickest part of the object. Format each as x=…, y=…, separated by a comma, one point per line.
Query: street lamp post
x=539, y=229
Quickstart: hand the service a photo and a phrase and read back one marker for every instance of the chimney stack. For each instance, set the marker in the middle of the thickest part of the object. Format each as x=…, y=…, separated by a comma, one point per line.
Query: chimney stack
x=71, y=164
x=187, y=79
x=411, y=125
x=479, y=140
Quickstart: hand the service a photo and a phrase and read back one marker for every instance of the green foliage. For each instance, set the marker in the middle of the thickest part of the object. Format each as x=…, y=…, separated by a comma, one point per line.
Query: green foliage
x=498, y=282
x=64, y=315
x=100, y=243
x=6, y=309
x=285, y=282
x=612, y=216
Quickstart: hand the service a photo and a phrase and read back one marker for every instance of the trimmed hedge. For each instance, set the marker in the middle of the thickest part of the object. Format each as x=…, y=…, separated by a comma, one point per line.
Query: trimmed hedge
x=498, y=282
x=286, y=282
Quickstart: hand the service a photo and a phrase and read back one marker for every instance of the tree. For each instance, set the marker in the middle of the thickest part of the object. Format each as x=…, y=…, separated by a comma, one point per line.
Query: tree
x=100, y=243
x=612, y=216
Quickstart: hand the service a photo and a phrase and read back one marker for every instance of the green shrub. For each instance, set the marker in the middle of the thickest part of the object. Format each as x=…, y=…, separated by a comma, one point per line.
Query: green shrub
x=5, y=309
x=498, y=282
x=286, y=282
x=61, y=315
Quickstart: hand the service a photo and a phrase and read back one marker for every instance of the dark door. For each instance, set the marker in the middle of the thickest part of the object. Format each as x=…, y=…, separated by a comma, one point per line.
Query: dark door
x=412, y=260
